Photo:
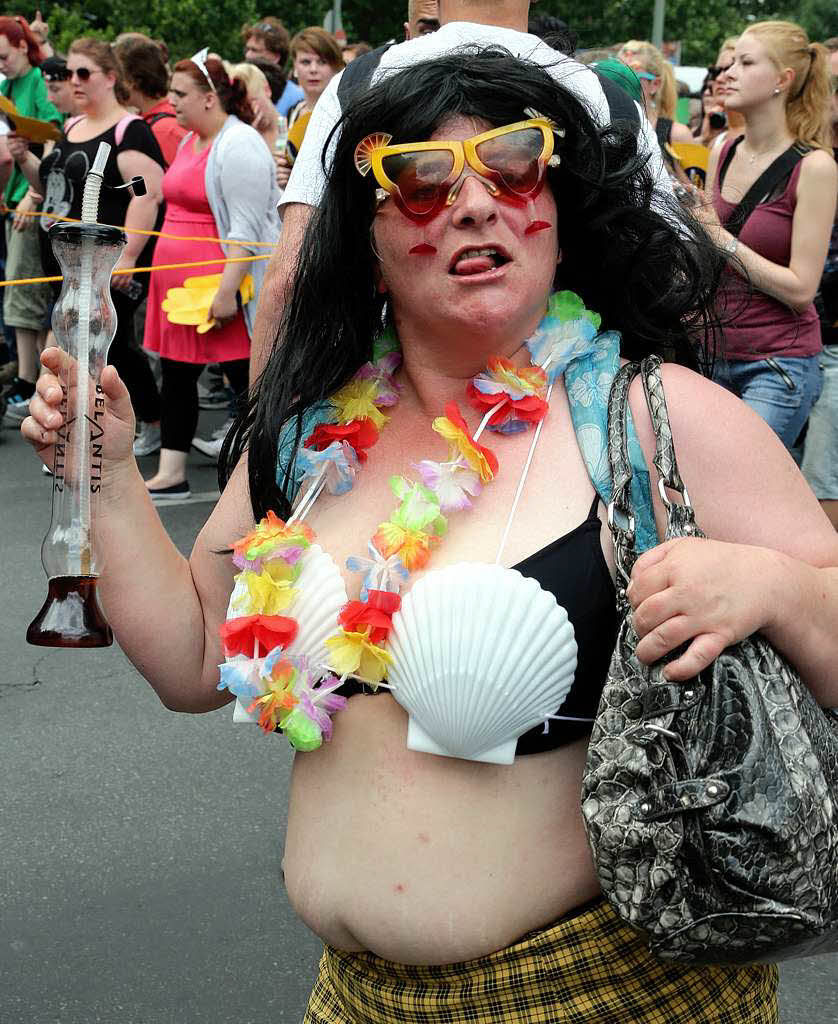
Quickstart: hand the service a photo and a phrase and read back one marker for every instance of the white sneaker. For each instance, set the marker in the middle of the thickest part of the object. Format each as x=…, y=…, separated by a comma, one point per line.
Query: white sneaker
x=212, y=449
x=147, y=441
x=224, y=429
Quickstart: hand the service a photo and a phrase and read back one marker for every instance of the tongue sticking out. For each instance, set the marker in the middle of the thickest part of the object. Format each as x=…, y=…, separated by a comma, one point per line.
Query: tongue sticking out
x=474, y=265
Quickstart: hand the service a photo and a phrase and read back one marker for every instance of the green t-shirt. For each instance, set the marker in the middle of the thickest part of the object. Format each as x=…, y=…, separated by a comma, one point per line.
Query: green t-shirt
x=29, y=95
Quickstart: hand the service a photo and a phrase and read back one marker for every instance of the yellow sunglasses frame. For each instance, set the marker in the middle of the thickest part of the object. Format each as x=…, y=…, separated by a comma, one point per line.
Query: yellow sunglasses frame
x=372, y=150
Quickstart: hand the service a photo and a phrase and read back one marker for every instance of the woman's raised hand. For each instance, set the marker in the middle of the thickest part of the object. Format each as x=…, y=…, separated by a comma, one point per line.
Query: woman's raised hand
x=45, y=425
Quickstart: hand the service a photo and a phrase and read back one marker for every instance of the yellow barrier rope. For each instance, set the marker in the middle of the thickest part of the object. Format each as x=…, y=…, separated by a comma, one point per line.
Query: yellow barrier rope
x=143, y=270
x=144, y=231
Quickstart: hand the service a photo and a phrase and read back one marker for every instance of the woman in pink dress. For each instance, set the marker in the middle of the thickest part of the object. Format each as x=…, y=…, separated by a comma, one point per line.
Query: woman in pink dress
x=219, y=186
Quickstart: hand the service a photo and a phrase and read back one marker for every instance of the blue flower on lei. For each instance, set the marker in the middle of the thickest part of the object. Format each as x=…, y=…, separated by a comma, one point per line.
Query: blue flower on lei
x=380, y=573
x=338, y=460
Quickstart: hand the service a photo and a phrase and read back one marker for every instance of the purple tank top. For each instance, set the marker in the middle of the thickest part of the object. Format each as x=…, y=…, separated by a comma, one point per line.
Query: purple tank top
x=760, y=325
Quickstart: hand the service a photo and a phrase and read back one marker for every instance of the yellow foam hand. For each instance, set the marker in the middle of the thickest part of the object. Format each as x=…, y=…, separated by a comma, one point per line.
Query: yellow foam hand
x=189, y=305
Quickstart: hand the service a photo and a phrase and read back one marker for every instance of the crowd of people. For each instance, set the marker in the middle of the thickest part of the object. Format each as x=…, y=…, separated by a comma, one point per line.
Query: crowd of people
x=772, y=344
x=474, y=230
x=209, y=138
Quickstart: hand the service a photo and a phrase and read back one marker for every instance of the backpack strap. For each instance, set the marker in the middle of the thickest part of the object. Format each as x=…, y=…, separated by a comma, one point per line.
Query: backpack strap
x=776, y=172
x=122, y=125
x=158, y=117
x=357, y=75
x=71, y=122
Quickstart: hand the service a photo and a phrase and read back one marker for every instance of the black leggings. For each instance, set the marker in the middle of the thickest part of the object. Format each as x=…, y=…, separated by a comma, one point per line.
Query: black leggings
x=179, y=399
x=131, y=362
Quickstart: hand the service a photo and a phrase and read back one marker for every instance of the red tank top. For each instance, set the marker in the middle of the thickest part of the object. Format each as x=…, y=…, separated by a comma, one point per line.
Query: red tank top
x=760, y=325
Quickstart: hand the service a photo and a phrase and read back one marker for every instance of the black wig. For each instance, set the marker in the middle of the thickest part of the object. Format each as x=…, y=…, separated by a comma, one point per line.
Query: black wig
x=646, y=276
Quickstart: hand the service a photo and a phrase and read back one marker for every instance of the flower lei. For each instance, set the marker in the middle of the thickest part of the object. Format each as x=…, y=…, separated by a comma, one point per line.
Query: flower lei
x=288, y=692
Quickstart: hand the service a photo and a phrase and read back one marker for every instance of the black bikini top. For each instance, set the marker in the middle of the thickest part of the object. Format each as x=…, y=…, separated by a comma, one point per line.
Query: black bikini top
x=574, y=570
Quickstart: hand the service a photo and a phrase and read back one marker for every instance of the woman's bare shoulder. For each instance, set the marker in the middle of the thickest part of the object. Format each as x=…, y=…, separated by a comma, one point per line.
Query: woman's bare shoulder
x=819, y=168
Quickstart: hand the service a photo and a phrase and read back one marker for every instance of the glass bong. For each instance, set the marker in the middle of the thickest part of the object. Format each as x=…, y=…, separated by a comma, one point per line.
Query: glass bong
x=84, y=323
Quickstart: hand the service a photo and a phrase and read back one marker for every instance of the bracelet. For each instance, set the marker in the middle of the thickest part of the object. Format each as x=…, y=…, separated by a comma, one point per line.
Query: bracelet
x=729, y=248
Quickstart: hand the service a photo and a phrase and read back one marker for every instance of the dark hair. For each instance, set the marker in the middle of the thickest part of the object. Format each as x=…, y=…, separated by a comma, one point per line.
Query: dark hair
x=272, y=33
x=232, y=94
x=627, y=261
x=143, y=66
x=16, y=28
x=54, y=69
x=275, y=75
x=555, y=32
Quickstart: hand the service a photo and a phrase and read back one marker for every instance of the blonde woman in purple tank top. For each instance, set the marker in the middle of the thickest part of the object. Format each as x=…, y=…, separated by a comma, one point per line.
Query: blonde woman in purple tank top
x=779, y=83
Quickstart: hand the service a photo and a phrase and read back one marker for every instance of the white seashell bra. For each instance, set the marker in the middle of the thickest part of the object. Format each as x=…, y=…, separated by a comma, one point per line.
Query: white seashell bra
x=485, y=657
x=478, y=655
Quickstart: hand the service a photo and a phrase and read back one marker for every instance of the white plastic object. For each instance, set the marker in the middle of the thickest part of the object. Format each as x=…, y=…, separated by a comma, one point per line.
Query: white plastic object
x=321, y=593
x=481, y=655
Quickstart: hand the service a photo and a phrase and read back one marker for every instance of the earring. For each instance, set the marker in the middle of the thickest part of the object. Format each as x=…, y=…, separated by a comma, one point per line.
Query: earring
x=554, y=160
x=381, y=195
x=777, y=91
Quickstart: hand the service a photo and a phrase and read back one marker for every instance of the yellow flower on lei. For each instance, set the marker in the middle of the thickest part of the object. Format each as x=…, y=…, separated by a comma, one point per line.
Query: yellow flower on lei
x=453, y=429
x=269, y=592
x=356, y=401
x=354, y=655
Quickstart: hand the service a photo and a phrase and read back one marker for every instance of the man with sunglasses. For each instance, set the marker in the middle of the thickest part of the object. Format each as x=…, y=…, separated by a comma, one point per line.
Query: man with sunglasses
x=463, y=22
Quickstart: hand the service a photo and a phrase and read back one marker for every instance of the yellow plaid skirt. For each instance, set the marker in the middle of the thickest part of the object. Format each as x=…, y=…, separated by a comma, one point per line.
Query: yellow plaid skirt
x=587, y=968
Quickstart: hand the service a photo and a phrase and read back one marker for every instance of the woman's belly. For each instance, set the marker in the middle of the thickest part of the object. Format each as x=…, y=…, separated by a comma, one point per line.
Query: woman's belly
x=425, y=859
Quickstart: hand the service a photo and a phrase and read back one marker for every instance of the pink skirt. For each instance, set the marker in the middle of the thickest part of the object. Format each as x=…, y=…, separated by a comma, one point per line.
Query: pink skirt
x=175, y=341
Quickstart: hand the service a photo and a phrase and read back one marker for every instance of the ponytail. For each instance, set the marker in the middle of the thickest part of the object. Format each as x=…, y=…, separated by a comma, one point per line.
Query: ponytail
x=232, y=94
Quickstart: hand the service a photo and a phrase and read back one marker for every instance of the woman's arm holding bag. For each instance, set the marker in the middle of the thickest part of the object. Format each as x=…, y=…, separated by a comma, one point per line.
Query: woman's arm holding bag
x=770, y=562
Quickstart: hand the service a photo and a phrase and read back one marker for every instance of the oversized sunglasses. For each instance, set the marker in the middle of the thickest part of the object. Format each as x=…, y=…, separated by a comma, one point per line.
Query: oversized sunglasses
x=424, y=177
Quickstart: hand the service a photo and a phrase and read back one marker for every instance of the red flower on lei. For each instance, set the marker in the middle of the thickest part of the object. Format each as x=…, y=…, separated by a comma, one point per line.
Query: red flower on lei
x=376, y=613
x=360, y=434
x=239, y=635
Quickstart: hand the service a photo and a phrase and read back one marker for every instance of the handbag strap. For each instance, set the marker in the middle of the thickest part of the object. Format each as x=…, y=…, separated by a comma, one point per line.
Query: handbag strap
x=680, y=518
x=776, y=171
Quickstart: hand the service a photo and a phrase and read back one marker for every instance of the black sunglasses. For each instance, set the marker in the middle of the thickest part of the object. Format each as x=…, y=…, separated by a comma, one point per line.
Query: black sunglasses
x=83, y=74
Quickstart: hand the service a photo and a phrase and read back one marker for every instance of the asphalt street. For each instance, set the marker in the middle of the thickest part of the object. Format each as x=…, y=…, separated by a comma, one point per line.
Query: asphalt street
x=139, y=849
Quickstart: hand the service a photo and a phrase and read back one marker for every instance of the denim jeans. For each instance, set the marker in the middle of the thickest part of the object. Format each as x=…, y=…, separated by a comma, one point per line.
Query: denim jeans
x=781, y=391
x=820, y=458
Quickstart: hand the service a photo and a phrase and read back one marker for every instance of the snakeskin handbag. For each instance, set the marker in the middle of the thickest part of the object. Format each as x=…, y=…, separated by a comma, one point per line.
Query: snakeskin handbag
x=709, y=805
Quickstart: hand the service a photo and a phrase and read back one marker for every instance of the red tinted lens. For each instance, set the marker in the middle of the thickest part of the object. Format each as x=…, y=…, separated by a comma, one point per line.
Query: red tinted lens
x=419, y=177
x=514, y=158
